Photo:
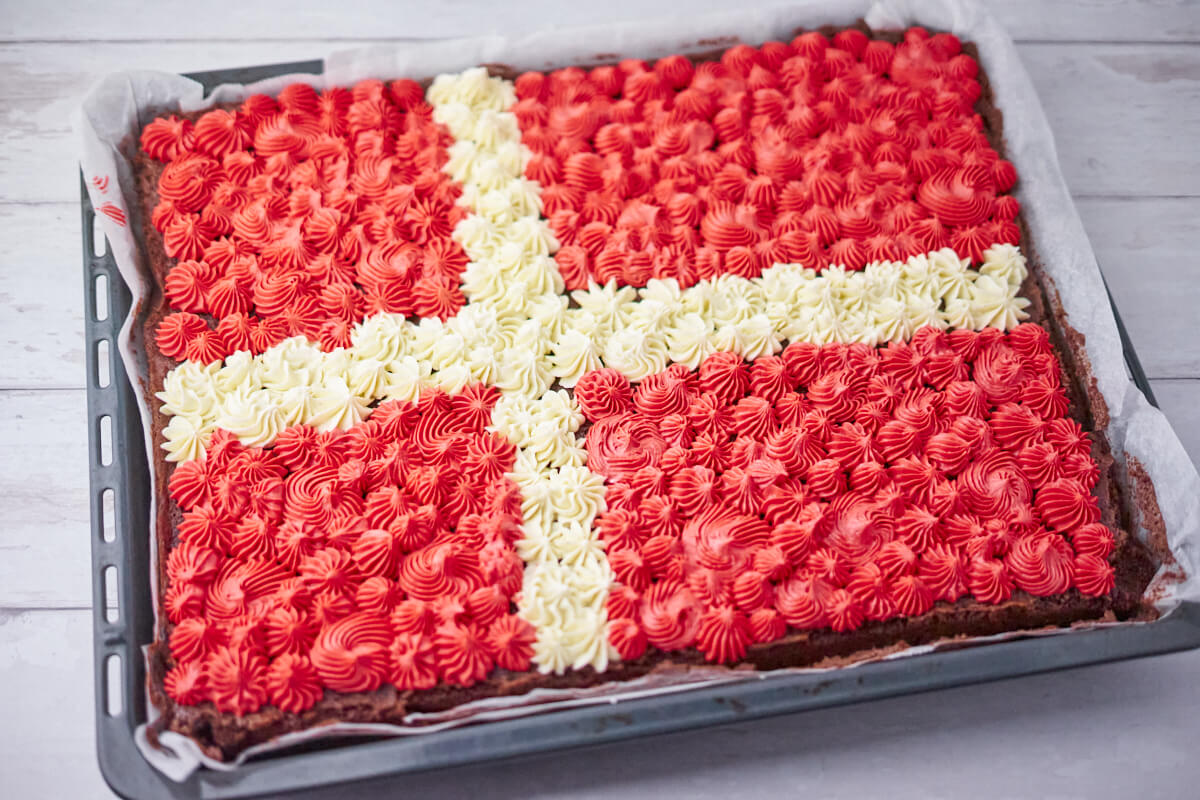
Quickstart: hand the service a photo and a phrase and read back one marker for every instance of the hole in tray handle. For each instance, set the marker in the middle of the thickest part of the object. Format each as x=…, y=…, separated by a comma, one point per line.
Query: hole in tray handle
x=100, y=298
x=103, y=365
x=112, y=600
x=108, y=522
x=114, y=695
x=106, y=443
x=99, y=243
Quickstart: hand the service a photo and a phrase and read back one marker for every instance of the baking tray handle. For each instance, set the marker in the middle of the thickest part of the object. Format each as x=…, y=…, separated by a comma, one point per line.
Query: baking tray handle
x=121, y=608
x=242, y=75
x=1132, y=362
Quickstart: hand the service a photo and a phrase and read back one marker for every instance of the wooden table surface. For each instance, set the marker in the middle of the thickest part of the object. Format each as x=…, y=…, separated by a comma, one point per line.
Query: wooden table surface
x=1120, y=81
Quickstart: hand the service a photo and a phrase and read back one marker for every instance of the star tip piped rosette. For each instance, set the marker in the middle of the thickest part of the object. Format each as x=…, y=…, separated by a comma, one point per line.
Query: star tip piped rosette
x=550, y=371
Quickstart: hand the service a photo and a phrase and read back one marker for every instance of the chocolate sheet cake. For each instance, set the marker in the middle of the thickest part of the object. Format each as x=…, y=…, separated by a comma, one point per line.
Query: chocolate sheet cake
x=782, y=384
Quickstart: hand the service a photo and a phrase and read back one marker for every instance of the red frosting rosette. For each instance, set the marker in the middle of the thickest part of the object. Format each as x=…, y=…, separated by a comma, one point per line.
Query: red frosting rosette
x=351, y=654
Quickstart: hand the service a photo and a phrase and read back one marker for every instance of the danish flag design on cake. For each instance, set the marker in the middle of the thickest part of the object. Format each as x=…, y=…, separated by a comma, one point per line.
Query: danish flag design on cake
x=546, y=372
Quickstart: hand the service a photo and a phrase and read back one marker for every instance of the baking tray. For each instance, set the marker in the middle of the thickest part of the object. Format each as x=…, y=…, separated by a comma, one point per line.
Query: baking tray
x=121, y=569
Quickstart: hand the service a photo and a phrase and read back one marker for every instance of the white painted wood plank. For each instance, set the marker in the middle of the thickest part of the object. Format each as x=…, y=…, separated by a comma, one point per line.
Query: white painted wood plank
x=1112, y=730
x=45, y=550
x=41, y=296
x=1180, y=401
x=48, y=741
x=1056, y=20
x=1147, y=250
x=1125, y=116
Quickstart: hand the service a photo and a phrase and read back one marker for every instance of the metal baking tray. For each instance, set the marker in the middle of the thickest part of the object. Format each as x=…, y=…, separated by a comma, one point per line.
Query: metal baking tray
x=118, y=466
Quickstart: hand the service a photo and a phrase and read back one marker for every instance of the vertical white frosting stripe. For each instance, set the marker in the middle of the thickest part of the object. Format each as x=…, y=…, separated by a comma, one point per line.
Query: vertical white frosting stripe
x=513, y=280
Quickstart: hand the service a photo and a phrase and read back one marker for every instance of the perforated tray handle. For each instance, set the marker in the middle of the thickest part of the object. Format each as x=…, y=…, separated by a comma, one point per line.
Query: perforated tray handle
x=117, y=466
x=123, y=560
x=243, y=75
x=1132, y=362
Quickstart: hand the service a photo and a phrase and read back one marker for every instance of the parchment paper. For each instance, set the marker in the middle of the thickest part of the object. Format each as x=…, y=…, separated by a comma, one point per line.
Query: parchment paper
x=114, y=110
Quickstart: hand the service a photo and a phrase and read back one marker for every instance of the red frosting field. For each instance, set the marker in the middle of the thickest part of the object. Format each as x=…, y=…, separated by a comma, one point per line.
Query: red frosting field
x=345, y=560
x=297, y=217
x=836, y=484
x=815, y=152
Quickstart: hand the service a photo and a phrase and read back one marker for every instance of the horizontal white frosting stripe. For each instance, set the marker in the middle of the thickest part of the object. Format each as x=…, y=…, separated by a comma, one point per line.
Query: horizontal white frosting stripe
x=525, y=348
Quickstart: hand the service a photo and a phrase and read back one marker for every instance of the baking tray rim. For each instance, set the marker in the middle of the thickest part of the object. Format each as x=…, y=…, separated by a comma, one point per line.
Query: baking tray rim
x=128, y=773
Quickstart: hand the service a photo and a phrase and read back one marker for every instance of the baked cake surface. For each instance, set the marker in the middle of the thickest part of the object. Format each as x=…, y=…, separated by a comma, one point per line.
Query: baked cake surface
x=558, y=379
